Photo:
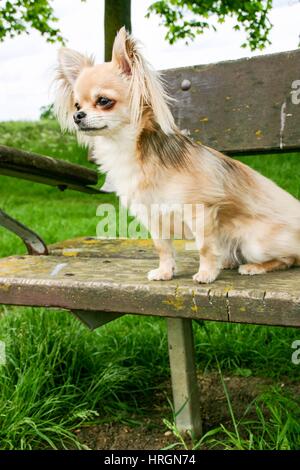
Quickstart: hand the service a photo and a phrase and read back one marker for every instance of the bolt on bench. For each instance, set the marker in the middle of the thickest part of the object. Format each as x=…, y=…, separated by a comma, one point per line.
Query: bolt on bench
x=249, y=106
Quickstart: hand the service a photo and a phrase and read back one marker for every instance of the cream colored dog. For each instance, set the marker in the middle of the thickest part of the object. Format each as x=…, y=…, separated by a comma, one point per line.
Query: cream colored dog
x=121, y=109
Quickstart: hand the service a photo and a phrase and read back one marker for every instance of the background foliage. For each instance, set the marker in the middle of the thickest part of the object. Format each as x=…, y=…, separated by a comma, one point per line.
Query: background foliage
x=183, y=19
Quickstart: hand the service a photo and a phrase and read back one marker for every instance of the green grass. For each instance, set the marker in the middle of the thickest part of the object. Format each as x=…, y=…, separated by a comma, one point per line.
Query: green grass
x=60, y=376
x=276, y=426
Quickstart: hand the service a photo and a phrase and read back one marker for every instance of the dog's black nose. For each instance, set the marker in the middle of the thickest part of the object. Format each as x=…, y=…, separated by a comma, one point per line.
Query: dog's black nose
x=79, y=116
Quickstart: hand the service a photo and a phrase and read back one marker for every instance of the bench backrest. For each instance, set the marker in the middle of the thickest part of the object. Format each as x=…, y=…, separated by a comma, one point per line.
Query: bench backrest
x=241, y=107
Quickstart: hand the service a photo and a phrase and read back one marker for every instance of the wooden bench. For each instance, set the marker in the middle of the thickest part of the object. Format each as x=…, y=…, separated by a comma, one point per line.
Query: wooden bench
x=248, y=106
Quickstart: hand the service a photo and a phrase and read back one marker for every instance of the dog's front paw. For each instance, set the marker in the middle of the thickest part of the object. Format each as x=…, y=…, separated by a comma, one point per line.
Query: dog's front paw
x=160, y=274
x=205, y=277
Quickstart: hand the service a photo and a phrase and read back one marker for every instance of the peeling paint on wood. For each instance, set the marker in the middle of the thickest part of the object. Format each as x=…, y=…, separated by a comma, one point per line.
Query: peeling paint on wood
x=57, y=269
x=282, y=123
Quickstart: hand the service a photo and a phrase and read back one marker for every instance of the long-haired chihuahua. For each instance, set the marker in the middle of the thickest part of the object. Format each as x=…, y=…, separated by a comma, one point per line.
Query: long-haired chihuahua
x=122, y=110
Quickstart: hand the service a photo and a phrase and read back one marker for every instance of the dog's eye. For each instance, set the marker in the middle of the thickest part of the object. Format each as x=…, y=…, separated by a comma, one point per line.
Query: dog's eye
x=77, y=106
x=105, y=102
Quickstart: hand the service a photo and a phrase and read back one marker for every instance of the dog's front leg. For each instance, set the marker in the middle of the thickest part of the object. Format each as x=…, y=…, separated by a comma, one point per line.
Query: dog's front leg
x=166, y=268
x=210, y=259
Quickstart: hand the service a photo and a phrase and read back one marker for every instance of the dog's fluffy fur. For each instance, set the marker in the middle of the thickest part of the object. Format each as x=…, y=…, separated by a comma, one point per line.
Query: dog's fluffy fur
x=248, y=221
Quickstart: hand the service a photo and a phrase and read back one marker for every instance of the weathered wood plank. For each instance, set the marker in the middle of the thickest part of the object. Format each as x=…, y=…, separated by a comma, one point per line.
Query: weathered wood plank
x=60, y=183
x=241, y=107
x=120, y=285
x=46, y=170
x=115, y=248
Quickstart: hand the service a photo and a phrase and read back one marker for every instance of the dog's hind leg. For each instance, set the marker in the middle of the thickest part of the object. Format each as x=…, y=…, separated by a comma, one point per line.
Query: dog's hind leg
x=262, y=268
x=229, y=264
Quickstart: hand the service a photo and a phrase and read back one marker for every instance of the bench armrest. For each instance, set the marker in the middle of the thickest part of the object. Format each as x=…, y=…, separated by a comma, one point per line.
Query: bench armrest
x=47, y=170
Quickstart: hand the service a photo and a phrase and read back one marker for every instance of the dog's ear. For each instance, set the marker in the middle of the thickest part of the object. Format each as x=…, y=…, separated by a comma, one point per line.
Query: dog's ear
x=124, y=51
x=146, y=87
x=71, y=63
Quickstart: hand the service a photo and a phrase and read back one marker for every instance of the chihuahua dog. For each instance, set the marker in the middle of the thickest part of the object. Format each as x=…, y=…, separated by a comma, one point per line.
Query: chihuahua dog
x=121, y=109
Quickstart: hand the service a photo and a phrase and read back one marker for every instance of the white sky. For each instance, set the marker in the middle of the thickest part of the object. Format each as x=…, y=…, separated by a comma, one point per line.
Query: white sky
x=27, y=62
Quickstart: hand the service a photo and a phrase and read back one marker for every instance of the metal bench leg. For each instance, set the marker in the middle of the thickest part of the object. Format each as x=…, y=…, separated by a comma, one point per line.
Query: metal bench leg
x=93, y=319
x=34, y=243
x=183, y=374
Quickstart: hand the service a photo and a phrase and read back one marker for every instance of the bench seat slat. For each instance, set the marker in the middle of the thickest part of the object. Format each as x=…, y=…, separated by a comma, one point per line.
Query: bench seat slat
x=119, y=285
x=111, y=248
